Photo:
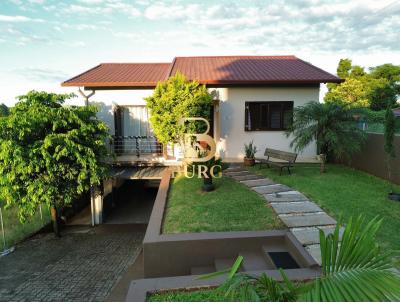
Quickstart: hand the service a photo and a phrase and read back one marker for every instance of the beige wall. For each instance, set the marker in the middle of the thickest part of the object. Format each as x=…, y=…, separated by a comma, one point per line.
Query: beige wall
x=232, y=115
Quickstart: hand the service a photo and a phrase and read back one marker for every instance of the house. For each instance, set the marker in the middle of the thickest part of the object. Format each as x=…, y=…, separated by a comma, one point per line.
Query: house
x=254, y=100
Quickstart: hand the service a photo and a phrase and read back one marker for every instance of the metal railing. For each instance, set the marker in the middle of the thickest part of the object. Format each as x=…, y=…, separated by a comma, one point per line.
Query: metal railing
x=135, y=145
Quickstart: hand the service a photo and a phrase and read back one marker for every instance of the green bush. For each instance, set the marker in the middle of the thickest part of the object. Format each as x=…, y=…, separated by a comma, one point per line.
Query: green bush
x=174, y=99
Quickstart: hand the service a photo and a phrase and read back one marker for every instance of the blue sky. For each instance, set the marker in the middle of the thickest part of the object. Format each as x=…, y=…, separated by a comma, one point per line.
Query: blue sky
x=43, y=42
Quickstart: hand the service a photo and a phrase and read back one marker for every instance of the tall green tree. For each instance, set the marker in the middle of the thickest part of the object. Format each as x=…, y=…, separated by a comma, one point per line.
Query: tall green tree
x=174, y=99
x=331, y=126
x=50, y=153
x=389, y=133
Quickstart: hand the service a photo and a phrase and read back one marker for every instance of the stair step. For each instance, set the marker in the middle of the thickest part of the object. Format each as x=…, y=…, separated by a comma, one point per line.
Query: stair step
x=267, y=258
x=254, y=262
x=224, y=263
x=200, y=270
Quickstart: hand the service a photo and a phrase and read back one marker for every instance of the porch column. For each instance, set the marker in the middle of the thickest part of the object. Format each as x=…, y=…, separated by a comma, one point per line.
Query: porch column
x=97, y=205
x=217, y=124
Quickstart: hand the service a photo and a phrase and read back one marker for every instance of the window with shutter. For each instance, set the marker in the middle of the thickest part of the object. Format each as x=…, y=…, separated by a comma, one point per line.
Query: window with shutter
x=263, y=116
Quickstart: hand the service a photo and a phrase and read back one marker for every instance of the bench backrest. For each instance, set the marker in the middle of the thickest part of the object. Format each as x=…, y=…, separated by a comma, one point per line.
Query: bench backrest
x=283, y=155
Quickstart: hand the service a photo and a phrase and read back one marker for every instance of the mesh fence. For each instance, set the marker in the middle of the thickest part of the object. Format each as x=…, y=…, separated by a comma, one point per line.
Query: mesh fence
x=12, y=230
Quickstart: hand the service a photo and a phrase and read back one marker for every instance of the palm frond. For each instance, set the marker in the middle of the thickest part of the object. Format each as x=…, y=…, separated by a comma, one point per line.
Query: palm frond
x=354, y=269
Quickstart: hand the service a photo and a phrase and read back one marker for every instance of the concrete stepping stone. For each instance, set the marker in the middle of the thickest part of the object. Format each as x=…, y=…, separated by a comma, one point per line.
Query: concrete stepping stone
x=271, y=189
x=234, y=173
x=247, y=177
x=257, y=182
x=315, y=252
x=317, y=219
x=308, y=236
x=291, y=196
x=295, y=207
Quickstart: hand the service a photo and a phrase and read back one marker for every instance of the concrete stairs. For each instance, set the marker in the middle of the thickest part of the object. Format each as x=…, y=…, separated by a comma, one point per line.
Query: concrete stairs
x=252, y=261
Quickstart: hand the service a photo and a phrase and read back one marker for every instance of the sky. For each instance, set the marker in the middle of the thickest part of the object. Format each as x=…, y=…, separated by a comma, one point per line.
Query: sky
x=44, y=42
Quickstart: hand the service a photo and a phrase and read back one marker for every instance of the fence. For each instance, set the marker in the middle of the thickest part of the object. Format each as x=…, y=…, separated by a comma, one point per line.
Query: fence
x=135, y=145
x=372, y=158
x=12, y=230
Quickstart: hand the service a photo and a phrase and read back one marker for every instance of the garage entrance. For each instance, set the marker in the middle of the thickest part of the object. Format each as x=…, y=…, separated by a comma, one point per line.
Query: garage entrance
x=132, y=202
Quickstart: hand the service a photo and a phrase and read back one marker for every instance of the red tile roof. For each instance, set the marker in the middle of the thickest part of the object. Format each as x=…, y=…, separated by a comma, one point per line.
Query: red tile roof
x=121, y=75
x=213, y=71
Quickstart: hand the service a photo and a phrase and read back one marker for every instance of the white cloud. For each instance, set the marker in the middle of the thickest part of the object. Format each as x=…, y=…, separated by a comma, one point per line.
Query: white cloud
x=91, y=1
x=7, y=18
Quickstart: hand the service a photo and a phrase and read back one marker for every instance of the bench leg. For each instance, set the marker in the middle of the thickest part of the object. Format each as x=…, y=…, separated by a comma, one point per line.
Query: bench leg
x=288, y=168
x=280, y=171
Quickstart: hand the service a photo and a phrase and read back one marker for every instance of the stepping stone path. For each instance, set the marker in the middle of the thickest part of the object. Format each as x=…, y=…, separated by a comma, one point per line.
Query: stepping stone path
x=303, y=217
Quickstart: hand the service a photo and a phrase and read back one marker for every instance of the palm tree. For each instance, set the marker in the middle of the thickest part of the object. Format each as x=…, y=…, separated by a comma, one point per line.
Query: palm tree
x=354, y=269
x=332, y=126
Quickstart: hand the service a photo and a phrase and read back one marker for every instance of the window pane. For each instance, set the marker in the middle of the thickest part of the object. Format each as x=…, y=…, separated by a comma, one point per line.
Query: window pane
x=275, y=115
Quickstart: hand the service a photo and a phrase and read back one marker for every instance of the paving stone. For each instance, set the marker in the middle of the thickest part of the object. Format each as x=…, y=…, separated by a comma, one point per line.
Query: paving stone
x=235, y=173
x=295, y=207
x=307, y=236
x=271, y=189
x=294, y=221
x=285, y=197
x=315, y=252
x=247, y=177
x=257, y=182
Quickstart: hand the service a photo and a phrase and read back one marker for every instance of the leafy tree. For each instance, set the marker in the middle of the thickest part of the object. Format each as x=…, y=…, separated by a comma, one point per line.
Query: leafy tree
x=377, y=89
x=50, y=153
x=173, y=99
x=353, y=269
x=352, y=92
x=331, y=125
x=4, y=110
x=344, y=68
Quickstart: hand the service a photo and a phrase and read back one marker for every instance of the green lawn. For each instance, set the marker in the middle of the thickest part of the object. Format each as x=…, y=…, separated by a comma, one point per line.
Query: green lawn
x=344, y=192
x=16, y=231
x=188, y=296
x=231, y=207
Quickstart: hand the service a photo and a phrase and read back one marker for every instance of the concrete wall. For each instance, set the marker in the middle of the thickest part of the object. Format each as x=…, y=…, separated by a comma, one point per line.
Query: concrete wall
x=372, y=158
x=232, y=116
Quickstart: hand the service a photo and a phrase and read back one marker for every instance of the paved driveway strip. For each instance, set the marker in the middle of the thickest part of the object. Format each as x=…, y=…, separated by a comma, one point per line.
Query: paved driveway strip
x=79, y=266
x=303, y=217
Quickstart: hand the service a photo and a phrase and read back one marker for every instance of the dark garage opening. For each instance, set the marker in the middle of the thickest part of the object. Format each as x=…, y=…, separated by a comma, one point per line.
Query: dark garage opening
x=131, y=202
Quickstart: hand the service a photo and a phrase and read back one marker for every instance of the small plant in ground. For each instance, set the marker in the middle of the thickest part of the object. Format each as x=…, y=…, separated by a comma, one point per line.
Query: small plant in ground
x=354, y=269
x=213, y=168
x=250, y=151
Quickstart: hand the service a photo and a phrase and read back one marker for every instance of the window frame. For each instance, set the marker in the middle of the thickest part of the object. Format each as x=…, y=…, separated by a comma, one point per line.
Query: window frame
x=265, y=125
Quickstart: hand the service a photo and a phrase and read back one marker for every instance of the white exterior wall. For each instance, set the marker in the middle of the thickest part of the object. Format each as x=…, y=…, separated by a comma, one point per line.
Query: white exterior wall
x=232, y=119
x=106, y=100
x=232, y=114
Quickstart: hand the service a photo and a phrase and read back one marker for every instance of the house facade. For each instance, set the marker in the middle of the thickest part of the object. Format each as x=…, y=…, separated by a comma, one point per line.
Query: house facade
x=254, y=97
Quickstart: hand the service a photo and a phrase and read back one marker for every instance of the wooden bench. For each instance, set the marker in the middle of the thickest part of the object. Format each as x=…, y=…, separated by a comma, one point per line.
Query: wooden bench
x=280, y=159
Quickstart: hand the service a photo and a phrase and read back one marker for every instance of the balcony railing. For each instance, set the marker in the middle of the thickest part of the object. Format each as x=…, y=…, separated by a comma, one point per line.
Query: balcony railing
x=135, y=145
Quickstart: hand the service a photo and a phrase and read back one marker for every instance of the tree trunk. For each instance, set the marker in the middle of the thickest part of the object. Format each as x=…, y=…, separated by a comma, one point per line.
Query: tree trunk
x=322, y=160
x=54, y=219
